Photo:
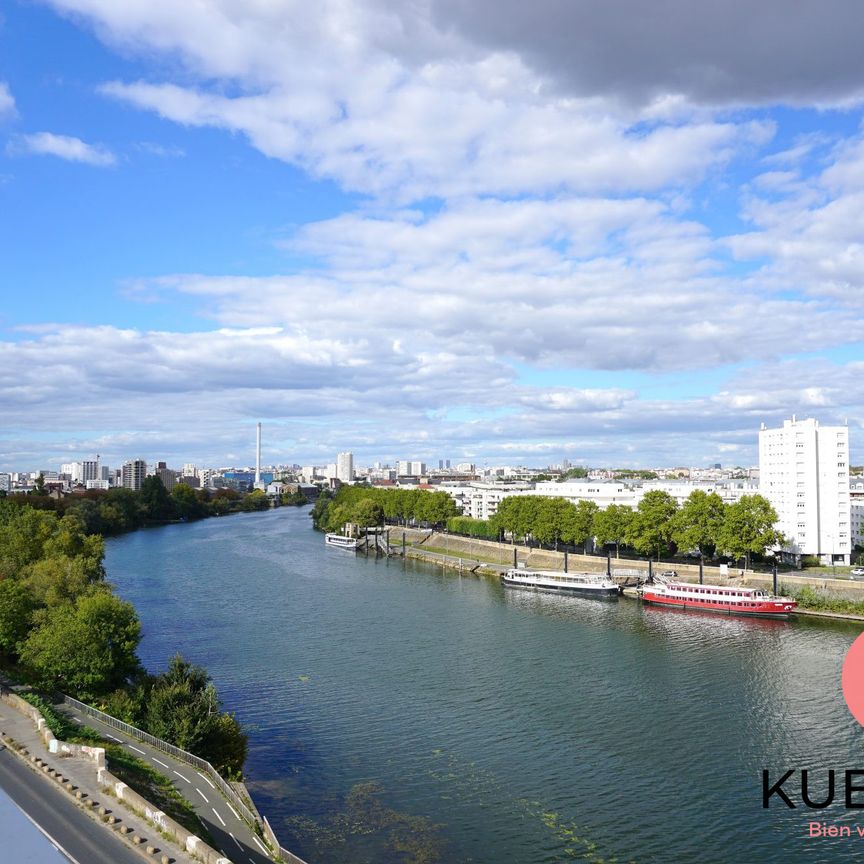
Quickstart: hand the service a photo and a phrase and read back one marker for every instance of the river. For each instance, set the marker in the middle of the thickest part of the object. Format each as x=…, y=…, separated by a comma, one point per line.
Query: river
x=399, y=712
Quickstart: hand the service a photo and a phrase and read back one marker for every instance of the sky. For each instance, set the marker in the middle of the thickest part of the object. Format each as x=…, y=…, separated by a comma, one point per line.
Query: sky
x=617, y=233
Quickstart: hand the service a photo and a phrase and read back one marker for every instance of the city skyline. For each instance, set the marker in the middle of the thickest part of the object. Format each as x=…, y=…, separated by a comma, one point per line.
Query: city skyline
x=437, y=230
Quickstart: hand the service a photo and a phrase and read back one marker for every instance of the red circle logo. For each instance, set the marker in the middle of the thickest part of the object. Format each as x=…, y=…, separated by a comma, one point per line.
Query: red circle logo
x=853, y=679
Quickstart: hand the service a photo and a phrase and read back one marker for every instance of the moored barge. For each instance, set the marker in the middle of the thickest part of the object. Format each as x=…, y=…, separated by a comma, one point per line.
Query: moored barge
x=583, y=584
x=726, y=599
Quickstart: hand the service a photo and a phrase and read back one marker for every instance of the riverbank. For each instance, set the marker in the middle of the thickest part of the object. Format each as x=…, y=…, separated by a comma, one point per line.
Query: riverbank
x=487, y=557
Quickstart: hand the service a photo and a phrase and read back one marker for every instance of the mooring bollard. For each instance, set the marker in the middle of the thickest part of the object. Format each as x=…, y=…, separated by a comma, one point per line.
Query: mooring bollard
x=565, y=560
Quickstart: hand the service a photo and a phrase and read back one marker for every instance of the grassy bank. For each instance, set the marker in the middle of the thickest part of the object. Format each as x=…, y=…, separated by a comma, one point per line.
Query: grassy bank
x=819, y=601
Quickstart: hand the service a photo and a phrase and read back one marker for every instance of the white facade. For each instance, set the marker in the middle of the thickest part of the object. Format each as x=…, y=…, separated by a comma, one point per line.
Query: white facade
x=5, y=482
x=481, y=500
x=133, y=473
x=602, y=494
x=82, y=472
x=410, y=468
x=804, y=473
x=345, y=467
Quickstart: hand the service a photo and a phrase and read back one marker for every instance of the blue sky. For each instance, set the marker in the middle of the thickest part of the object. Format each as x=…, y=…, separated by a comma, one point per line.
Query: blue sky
x=415, y=232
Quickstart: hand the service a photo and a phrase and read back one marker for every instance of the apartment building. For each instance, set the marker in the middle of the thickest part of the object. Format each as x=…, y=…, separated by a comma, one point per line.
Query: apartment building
x=804, y=473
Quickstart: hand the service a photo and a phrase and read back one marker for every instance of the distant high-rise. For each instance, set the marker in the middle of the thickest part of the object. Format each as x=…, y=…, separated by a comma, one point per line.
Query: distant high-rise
x=410, y=468
x=81, y=472
x=345, y=467
x=804, y=473
x=133, y=473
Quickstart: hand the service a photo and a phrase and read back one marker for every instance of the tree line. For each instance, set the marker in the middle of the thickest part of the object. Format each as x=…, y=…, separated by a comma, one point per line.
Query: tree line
x=370, y=506
x=63, y=628
x=658, y=526
x=116, y=511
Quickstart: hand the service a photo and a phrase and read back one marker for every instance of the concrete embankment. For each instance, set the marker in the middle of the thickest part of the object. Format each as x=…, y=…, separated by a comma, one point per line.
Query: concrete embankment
x=476, y=555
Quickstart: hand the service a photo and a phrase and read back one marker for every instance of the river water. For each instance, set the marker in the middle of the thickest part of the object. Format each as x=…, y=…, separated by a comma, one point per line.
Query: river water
x=399, y=712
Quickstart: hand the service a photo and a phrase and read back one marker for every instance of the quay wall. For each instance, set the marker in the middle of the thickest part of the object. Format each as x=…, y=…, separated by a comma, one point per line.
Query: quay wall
x=501, y=554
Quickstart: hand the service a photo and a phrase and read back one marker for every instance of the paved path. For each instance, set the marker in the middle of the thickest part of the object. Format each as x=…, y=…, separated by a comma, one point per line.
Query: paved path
x=58, y=813
x=231, y=835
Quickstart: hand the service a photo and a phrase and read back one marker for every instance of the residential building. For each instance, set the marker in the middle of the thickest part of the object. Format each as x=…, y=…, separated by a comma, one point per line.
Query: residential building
x=409, y=468
x=804, y=473
x=133, y=473
x=345, y=467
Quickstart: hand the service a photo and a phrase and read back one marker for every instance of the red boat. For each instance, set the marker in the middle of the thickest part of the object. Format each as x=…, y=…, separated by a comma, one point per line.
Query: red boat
x=728, y=599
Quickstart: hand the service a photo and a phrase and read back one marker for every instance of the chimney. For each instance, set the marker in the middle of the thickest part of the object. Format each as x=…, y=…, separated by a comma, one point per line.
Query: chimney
x=258, y=458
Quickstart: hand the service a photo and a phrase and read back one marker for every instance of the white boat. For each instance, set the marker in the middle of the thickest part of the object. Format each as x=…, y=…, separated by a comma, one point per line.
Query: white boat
x=341, y=541
x=585, y=584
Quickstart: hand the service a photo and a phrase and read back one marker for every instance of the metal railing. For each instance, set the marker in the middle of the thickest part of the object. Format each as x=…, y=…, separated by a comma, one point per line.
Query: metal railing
x=190, y=758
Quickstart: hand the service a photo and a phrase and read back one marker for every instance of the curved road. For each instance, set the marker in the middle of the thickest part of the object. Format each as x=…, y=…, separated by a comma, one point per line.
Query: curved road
x=231, y=835
x=72, y=832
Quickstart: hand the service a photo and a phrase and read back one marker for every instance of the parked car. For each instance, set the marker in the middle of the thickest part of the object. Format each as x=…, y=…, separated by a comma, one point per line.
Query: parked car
x=857, y=573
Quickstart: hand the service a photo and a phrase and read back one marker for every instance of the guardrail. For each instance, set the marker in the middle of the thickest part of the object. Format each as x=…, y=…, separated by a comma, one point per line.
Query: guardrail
x=190, y=758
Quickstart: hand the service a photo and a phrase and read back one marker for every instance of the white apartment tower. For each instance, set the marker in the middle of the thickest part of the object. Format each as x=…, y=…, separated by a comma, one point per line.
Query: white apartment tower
x=804, y=473
x=133, y=473
x=345, y=467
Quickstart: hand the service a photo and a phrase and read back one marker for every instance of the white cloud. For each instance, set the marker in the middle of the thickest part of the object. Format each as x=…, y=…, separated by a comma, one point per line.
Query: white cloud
x=7, y=100
x=569, y=283
x=807, y=229
x=64, y=147
x=559, y=236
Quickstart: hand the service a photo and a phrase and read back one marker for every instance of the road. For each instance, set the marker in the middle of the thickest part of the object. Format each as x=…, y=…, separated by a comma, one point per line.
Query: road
x=70, y=830
x=231, y=835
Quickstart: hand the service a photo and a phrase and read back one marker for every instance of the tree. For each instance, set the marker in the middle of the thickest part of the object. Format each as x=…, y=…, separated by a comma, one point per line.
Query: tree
x=651, y=528
x=23, y=535
x=58, y=581
x=699, y=522
x=367, y=513
x=580, y=526
x=187, y=505
x=255, y=500
x=87, y=647
x=749, y=528
x=122, y=511
x=16, y=616
x=294, y=499
x=157, y=503
x=550, y=520
x=183, y=707
x=613, y=524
